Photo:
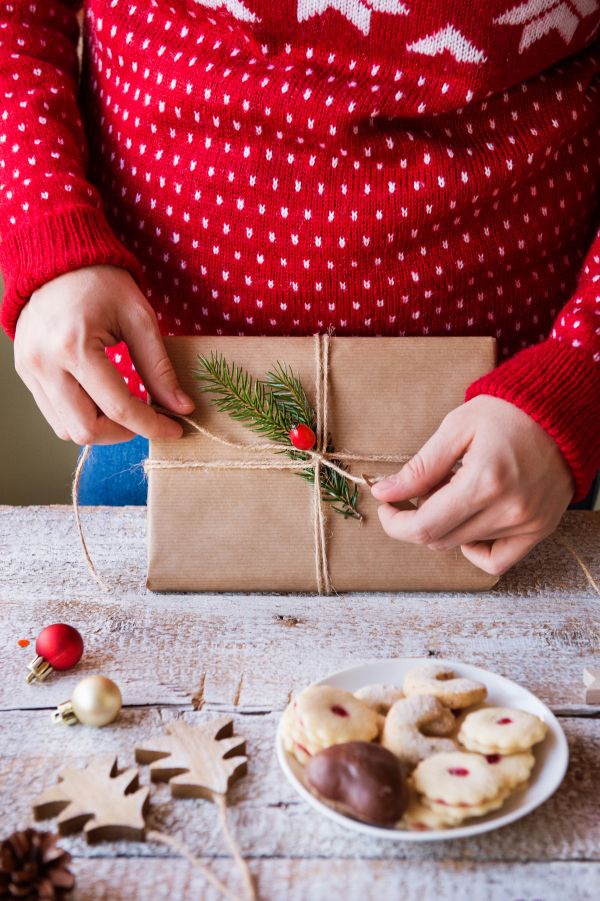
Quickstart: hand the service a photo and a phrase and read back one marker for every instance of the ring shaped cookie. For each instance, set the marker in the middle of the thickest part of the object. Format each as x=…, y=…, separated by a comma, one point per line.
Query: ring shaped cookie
x=401, y=732
x=379, y=697
x=500, y=730
x=440, y=682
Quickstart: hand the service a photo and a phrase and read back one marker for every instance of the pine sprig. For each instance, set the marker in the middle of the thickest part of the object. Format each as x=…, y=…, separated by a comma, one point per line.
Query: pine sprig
x=244, y=399
x=289, y=394
x=270, y=408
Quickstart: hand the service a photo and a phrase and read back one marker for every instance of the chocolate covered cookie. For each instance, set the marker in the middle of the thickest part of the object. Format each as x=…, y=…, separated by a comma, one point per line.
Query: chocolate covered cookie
x=361, y=779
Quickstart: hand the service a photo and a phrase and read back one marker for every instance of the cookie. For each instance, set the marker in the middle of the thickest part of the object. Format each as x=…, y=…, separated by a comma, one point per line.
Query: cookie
x=515, y=768
x=420, y=818
x=500, y=730
x=439, y=681
x=460, y=715
x=402, y=735
x=444, y=724
x=456, y=815
x=360, y=779
x=322, y=716
x=289, y=735
x=379, y=697
x=459, y=779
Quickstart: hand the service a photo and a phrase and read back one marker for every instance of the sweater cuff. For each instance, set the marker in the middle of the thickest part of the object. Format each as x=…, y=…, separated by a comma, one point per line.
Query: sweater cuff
x=74, y=237
x=559, y=387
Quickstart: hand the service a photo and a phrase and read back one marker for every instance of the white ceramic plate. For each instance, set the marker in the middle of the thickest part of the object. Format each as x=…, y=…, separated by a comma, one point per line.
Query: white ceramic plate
x=551, y=755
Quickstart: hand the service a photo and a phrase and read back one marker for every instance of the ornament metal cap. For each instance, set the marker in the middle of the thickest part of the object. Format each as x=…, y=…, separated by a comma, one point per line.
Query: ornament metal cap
x=39, y=668
x=64, y=713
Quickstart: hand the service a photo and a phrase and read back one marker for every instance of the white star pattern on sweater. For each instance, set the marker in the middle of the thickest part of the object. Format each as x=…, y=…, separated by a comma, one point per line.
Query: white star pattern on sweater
x=539, y=17
x=236, y=8
x=448, y=38
x=356, y=11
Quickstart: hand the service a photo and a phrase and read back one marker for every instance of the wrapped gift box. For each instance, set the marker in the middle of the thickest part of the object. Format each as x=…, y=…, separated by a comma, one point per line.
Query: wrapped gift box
x=252, y=530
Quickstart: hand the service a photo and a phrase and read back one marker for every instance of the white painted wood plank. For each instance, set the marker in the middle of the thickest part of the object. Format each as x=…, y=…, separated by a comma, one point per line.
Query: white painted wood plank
x=268, y=817
x=352, y=880
x=254, y=651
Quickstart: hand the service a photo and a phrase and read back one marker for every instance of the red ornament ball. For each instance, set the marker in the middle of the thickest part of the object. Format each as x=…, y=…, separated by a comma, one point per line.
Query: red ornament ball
x=302, y=436
x=60, y=645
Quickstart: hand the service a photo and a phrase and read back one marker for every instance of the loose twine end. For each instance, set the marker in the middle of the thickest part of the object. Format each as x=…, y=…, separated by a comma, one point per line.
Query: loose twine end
x=586, y=571
x=75, y=495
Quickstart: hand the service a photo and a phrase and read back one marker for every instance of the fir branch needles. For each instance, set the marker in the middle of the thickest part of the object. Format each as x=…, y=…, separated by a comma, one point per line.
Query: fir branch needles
x=271, y=408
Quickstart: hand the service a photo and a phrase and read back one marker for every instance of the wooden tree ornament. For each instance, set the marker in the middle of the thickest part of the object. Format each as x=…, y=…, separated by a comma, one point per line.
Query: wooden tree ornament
x=109, y=805
x=106, y=804
x=201, y=762
x=198, y=762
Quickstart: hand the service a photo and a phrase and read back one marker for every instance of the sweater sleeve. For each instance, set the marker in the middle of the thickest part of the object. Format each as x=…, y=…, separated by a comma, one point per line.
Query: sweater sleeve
x=51, y=218
x=557, y=382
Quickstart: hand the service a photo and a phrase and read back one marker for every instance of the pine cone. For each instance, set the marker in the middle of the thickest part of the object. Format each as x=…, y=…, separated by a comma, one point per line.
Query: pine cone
x=32, y=868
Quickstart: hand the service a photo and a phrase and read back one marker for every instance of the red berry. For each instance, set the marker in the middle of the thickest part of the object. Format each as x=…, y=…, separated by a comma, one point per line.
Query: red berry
x=458, y=771
x=60, y=645
x=339, y=711
x=302, y=436
x=504, y=721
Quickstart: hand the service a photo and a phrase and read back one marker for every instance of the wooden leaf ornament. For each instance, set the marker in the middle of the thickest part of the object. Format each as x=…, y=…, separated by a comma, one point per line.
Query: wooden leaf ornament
x=106, y=804
x=198, y=762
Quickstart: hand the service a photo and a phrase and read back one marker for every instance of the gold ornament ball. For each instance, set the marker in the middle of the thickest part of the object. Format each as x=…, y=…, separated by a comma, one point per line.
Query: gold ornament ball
x=96, y=701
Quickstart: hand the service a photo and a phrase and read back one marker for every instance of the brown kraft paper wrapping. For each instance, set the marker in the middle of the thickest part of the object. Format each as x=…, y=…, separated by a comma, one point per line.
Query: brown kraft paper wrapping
x=252, y=530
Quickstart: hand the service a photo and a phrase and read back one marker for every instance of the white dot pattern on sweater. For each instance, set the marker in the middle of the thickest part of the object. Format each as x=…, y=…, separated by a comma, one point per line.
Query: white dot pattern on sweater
x=269, y=186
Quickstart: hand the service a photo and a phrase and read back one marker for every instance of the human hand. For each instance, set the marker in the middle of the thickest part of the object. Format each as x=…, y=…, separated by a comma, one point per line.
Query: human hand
x=510, y=492
x=59, y=353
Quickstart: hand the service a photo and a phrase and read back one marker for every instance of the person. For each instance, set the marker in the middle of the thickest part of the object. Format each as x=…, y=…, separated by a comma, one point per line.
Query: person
x=374, y=166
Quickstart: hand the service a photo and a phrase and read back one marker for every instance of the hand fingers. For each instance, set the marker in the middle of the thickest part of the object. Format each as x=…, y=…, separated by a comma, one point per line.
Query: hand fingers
x=79, y=414
x=46, y=408
x=442, y=512
x=487, y=525
x=430, y=465
x=498, y=556
x=99, y=378
x=150, y=359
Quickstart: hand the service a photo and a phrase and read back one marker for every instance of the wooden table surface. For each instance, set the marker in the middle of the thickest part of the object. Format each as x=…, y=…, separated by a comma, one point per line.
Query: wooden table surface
x=195, y=657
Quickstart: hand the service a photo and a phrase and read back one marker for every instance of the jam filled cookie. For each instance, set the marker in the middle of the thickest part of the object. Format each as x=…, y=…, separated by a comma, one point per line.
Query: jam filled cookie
x=500, y=730
x=379, y=697
x=440, y=681
x=454, y=815
x=402, y=730
x=322, y=716
x=420, y=818
x=460, y=780
x=515, y=768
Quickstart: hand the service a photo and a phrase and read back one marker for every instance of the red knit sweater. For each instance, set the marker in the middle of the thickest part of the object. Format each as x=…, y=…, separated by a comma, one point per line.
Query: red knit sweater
x=382, y=167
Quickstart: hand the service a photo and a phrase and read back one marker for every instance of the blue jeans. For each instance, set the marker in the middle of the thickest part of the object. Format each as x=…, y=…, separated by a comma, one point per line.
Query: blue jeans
x=113, y=475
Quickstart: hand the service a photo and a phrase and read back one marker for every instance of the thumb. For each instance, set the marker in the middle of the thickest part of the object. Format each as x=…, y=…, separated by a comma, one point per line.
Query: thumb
x=429, y=467
x=152, y=363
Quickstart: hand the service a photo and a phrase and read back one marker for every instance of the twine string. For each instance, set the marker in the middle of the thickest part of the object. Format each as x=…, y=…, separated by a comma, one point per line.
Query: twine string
x=221, y=802
x=586, y=571
x=75, y=495
x=155, y=836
